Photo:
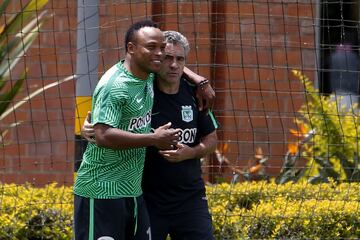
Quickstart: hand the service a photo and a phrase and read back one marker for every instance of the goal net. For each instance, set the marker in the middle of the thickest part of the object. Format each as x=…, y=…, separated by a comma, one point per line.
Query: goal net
x=286, y=75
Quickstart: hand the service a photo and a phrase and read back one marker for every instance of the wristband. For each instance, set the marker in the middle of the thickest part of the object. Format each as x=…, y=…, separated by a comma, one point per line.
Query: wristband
x=202, y=83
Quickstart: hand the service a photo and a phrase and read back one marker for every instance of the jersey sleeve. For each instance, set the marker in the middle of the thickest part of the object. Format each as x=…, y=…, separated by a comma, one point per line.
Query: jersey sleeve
x=108, y=106
x=206, y=123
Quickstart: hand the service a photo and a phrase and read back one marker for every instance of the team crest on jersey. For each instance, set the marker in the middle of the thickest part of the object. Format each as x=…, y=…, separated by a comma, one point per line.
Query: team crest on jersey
x=187, y=113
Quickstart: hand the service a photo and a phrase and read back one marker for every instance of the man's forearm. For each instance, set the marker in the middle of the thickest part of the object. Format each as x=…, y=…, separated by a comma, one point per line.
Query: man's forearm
x=193, y=77
x=118, y=139
x=206, y=146
x=205, y=95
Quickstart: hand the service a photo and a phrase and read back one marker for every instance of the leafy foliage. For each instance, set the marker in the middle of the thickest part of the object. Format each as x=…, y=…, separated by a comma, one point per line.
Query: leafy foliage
x=248, y=210
x=333, y=151
x=287, y=211
x=35, y=213
x=16, y=36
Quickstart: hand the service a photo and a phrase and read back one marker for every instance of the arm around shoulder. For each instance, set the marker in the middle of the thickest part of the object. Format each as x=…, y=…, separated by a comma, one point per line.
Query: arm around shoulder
x=205, y=94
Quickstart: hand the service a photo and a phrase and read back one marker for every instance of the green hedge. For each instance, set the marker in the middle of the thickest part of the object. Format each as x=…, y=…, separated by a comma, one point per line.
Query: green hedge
x=35, y=213
x=251, y=210
x=290, y=211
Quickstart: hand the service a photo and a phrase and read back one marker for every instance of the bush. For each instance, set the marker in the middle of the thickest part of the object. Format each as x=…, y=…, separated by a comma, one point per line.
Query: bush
x=35, y=213
x=249, y=210
x=333, y=150
x=288, y=211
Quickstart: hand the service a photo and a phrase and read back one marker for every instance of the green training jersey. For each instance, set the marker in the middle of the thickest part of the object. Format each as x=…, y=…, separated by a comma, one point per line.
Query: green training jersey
x=121, y=101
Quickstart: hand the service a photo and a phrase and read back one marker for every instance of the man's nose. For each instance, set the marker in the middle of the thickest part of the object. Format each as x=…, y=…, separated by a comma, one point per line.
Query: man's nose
x=159, y=52
x=174, y=64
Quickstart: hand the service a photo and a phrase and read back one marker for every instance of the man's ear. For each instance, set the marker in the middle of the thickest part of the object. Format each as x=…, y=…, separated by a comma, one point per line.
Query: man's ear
x=131, y=47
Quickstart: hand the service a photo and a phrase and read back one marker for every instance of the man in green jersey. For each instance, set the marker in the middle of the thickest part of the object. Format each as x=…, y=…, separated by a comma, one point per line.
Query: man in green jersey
x=108, y=195
x=173, y=188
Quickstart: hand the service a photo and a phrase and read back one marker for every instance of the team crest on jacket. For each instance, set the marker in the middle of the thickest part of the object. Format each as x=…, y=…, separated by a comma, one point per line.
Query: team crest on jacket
x=187, y=113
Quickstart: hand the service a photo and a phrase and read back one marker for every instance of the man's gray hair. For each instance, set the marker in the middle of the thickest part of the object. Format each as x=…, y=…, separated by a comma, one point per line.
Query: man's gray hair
x=177, y=38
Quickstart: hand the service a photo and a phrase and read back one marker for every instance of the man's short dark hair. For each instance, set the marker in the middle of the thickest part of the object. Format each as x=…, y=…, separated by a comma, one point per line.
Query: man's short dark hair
x=129, y=37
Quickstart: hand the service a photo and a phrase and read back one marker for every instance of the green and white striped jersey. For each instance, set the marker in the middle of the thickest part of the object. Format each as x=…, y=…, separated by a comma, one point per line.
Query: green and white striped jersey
x=122, y=101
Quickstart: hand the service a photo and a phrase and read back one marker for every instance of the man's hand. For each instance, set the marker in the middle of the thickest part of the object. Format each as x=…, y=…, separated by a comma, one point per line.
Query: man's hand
x=166, y=137
x=205, y=95
x=87, y=130
x=182, y=152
